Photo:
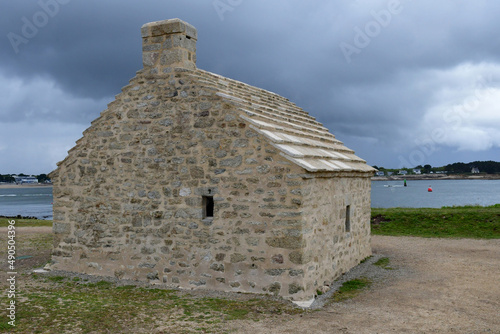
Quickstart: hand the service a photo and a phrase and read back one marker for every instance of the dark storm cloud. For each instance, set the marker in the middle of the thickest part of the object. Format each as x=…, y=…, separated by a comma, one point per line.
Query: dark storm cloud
x=403, y=68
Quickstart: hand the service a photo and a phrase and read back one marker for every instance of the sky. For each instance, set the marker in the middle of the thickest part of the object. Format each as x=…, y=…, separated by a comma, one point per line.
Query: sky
x=401, y=82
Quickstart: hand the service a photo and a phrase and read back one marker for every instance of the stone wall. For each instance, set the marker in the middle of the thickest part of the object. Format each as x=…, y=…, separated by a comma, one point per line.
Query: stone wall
x=331, y=250
x=128, y=199
x=131, y=200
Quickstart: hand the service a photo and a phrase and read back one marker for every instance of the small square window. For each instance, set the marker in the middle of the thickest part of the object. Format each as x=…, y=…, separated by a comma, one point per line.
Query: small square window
x=348, y=218
x=208, y=207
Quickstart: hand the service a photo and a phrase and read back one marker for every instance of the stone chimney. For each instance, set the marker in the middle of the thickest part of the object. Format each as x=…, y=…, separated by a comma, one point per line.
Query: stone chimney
x=168, y=44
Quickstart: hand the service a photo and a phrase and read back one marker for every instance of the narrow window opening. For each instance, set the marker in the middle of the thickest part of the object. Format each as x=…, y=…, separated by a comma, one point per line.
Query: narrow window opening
x=208, y=207
x=348, y=218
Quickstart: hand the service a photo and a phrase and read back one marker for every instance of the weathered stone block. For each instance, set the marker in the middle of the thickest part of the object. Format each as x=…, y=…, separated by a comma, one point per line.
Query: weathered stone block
x=198, y=283
x=294, y=288
x=278, y=258
x=235, y=284
x=236, y=257
x=61, y=228
x=295, y=272
x=217, y=267
x=197, y=172
x=298, y=257
x=232, y=162
x=252, y=241
x=275, y=272
x=286, y=242
x=274, y=288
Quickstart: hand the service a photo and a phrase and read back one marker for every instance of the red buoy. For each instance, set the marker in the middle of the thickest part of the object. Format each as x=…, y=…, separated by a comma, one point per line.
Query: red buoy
x=429, y=189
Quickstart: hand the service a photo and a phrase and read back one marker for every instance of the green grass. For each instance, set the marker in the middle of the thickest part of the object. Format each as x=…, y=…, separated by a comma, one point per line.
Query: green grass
x=448, y=222
x=55, y=278
x=366, y=259
x=94, y=306
x=25, y=222
x=383, y=262
x=350, y=289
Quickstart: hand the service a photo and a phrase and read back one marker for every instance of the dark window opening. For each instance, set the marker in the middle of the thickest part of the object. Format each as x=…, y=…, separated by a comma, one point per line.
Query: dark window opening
x=208, y=207
x=348, y=218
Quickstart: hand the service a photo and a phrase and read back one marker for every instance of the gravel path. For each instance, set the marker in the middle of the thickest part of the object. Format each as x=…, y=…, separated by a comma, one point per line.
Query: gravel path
x=437, y=286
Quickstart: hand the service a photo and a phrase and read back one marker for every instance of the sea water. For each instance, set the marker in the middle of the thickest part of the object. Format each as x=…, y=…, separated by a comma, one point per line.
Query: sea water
x=389, y=194
x=37, y=201
x=27, y=202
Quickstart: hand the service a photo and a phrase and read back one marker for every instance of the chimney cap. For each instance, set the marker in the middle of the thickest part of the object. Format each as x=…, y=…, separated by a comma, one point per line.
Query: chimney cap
x=168, y=27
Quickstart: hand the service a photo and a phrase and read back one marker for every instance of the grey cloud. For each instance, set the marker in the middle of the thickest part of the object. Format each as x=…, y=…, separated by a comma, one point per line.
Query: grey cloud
x=375, y=103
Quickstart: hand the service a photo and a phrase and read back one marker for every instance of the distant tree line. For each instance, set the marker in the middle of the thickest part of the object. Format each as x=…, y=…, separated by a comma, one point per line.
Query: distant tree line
x=489, y=167
x=6, y=178
x=9, y=178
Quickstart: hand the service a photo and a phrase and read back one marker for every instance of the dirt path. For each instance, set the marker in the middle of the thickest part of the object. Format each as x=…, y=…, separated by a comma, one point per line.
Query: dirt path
x=28, y=230
x=439, y=286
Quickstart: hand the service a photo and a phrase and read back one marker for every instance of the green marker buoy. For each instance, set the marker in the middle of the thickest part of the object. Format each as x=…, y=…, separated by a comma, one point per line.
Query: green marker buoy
x=405, y=183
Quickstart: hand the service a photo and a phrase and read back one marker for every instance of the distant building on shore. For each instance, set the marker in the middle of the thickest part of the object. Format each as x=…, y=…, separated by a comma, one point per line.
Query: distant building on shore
x=475, y=170
x=25, y=179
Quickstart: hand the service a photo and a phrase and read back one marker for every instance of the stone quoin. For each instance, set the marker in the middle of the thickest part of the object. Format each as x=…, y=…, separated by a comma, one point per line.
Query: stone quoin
x=197, y=181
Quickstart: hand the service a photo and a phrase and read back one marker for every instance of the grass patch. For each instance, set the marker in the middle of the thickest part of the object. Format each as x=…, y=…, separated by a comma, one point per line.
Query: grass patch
x=4, y=222
x=366, y=259
x=350, y=289
x=56, y=278
x=383, y=262
x=448, y=222
x=94, y=306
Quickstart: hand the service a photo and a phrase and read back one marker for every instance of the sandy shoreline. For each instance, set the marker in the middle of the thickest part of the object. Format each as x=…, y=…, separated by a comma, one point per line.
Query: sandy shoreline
x=24, y=186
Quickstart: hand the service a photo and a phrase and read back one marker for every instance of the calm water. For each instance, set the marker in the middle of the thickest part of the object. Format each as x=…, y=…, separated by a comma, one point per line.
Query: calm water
x=445, y=193
x=27, y=202
x=37, y=202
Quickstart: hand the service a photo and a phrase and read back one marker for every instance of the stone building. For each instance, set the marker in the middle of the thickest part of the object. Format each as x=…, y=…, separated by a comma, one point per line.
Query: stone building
x=195, y=180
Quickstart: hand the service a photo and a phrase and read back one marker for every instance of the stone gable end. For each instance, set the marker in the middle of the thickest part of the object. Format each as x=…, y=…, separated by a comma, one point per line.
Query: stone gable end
x=198, y=181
